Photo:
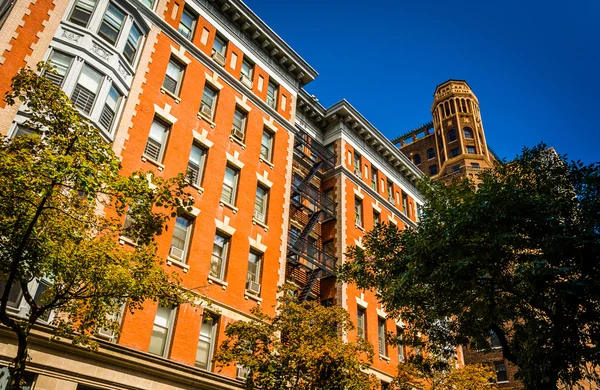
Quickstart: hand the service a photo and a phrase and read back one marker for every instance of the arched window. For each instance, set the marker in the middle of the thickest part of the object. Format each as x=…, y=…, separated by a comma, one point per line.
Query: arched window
x=468, y=132
x=451, y=135
x=447, y=108
x=430, y=153
x=417, y=159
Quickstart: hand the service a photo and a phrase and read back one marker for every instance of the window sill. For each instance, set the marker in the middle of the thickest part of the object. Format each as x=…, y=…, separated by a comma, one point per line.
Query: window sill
x=196, y=186
x=210, y=122
x=229, y=206
x=260, y=223
x=382, y=357
x=125, y=240
x=237, y=141
x=172, y=261
x=362, y=229
x=270, y=164
x=249, y=295
x=171, y=94
x=146, y=158
x=222, y=283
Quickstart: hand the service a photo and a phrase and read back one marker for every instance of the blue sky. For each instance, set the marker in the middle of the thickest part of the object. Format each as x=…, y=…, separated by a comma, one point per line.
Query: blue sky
x=533, y=64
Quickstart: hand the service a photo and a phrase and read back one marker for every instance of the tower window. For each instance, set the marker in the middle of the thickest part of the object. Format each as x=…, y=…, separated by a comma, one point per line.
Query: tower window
x=430, y=153
x=468, y=133
x=433, y=170
x=417, y=159
x=471, y=149
x=456, y=168
x=452, y=135
x=454, y=152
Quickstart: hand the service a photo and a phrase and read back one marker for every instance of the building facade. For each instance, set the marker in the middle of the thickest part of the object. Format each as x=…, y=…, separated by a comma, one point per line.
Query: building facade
x=282, y=185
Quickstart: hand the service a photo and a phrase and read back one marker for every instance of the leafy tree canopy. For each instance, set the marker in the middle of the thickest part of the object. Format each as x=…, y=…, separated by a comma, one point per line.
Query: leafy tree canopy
x=62, y=202
x=412, y=376
x=516, y=254
x=301, y=348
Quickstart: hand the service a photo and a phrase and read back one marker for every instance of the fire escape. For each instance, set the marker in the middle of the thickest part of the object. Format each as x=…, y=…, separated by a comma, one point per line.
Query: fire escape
x=303, y=250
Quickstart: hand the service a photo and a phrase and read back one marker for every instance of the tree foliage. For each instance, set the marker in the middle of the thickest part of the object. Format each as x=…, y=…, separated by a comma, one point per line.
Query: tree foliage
x=301, y=348
x=517, y=255
x=62, y=202
x=412, y=376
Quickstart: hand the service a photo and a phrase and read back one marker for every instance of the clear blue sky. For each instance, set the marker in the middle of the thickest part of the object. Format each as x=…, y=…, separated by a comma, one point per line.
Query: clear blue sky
x=533, y=64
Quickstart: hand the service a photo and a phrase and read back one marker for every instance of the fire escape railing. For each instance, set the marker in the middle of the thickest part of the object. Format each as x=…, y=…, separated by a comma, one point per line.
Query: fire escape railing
x=302, y=190
x=299, y=247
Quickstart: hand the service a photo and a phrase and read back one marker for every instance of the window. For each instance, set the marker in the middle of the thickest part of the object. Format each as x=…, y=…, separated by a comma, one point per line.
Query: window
x=451, y=136
x=433, y=170
x=260, y=204
x=155, y=146
x=381, y=334
x=86, y=89
x=15, y=295
x=501, y=375
x=390, y=191
x=161, y=330
x=219, y=256
x=253, y=275
x=238, y=129
x=361, y=322
x=417, y=159
x=113, y=100
x=405, y=203
x=180, y=241
x=357, y=164
x=147, y=3
x=219, y=49
x=206, y=341
x=209, y=102
x=82, y=12
x=266, y=146
x=173, y=77
x=376, y=218
x=247, y=72
x=329, y=248
x=23, y=130
x=228, y=193
x=111, y=25
x=430, y=153
x=374, y=174
x=471, y=149
x=128, y=227
x=401, y=356
x=358, y=212
x=454, y=152
x=132, y=44
x=61, y=63
x=384, y=385
x=272, y=95
x=468, y=133
x=475, y=165
x=196, y=162
x=456, y=168
x=495, y=341
x=187, y=23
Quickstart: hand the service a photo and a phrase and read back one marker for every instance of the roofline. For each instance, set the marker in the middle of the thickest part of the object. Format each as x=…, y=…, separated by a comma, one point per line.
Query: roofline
x=449, y=81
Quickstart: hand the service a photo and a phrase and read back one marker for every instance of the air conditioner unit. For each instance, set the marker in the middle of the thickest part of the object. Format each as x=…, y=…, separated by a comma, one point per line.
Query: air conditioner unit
x=246, y=81
x=242, y=372
x=176, y=253
x=258, y=215
x=219, y=58
x=105, y=333
x=237, y=133
x=253, y=287
x=206, y=111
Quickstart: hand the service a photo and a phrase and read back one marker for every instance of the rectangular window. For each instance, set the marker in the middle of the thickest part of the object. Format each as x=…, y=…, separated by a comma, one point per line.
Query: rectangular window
x=381, y=334
x=209, y=102
x=180, y=241
x=238, y=130
x=196, y=162
x=15, y=295
x=358, y=212
x=230, y=182
x=157, y=139
x=401, y=356
x=376, y=218
x=261, y=203
x=219, y=49
x=23, y=130
x=374, y=174
x=266, y=146
x=132, y=44
x=456, y=168
x=161, y=331
x=247, y=73
x=404, y=203
x=454, y=152
x=501, y=375
x=471, y=149
x=357, y=164
x=390, y=191
x=219, y=256
x=173, y=77
x=82, y=12
x=86, y=89
x=433, y=170
x=475, y=165
x=495, y=341
x=361, y=323
x=187, y=23
x=61, y=63
x=112, y=23
x=272, y=95
x=206, y=341
x=128, y=227
x=113, y=100
x=253, y=275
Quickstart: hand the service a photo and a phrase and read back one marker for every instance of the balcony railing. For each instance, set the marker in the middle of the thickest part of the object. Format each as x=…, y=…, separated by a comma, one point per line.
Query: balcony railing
x=309, y=251
x=313, y=151
x=313, y=195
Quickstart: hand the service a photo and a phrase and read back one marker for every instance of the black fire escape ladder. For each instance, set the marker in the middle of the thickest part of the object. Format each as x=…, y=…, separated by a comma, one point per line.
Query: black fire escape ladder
x=311, y=280
x=312, y=221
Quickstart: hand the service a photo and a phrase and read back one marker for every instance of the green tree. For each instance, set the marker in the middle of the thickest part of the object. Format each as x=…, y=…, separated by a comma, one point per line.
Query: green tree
x=417, y=376
x=62, y=202
x=516, y=255
x=301, y=348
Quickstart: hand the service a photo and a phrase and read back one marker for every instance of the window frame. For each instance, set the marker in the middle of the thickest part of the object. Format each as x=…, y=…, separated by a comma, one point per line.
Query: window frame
x=417, y=159
x=179, y=81
x=210, y=340
x=264, y=201
x=223, y=256
x=468, y=133
x=192, y=29
x=361, y=318
x=166, y=345
x=259, y=264
x=374, y=178
x=241, y=127
x=452, y=135
x=201, y=164
x=214, y=100
x=433, y=170
x=271, y=138
x=121, y=27
x=454, y=152
x=136, y=49
x=401, y=352
x=250, y=65
x=471, y=149
x=358, y=212
x=93, y=10
x=187, y=239
x=501, y=364
x=381, y=333
x=234, y=187
x=271, y=98
x=357, y=164
x=87, y=65
x=430, y=156
x=163, y=144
